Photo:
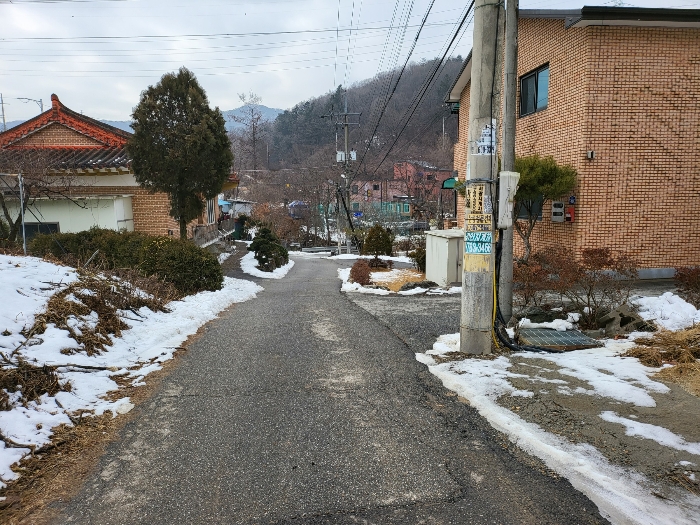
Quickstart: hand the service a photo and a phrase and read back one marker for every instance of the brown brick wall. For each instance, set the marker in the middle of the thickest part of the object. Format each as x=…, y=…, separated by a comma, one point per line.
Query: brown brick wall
x=632, y=95
x=460, y=151
x=58, y=135
x=644, y=125
x=558, y=130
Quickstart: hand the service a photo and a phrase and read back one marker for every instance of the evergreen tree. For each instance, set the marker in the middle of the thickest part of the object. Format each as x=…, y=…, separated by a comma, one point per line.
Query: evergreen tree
x=180, y=146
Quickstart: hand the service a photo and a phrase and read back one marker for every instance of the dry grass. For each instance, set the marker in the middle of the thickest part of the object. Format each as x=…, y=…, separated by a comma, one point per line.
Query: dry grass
x=686, y=375
x=681, y=349
x=397, y=278
x=72, y=308
x=32, y=381
x=665, y=346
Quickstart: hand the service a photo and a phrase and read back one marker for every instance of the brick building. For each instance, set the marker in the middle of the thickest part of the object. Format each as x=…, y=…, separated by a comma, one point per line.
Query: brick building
x=86, y=175
x=413, y=191
x=615, y=93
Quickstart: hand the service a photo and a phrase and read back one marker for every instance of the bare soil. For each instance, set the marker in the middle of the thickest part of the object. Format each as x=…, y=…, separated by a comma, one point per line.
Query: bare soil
x=577, y=417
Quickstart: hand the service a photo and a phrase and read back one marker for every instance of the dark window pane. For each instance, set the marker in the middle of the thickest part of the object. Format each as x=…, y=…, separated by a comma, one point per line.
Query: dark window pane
x=542, y=88
x=527, y=95
x=33, y=228
x=529, y=208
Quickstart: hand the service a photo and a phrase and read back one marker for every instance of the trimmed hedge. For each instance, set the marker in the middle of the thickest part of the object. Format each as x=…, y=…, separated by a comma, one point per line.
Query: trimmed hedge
x=378, y=241
x=188, y=267
x=269, y=253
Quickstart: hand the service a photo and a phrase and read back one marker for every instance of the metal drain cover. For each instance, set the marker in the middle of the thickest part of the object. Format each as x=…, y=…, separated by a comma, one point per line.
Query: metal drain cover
x=545, y=337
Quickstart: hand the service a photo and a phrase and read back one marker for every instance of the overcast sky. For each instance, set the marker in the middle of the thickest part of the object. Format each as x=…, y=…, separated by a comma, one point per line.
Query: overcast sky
x=98, y=55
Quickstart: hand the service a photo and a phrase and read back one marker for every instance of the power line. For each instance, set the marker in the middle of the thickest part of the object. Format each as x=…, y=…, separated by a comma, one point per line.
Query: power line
x=335, y=67
x=196, y=35
x=386, y=103
x=426, y=85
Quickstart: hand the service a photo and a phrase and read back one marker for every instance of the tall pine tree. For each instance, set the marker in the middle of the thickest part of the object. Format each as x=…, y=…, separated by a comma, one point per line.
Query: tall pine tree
x=180, y=145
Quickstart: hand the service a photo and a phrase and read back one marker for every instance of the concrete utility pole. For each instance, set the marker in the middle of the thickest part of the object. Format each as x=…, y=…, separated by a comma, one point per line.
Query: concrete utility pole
x=344, y=157
x=2, y=105
x=476, y=323
x=505, y=284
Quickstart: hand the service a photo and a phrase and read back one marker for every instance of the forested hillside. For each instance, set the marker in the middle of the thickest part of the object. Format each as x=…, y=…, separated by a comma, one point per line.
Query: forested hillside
x=301, y=138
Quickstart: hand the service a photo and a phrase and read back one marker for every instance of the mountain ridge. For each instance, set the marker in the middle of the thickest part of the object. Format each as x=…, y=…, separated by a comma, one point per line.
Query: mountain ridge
x=125, y=125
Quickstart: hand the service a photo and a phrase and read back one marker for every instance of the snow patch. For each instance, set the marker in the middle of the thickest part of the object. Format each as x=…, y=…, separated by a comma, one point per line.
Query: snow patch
x=250, y=266
x=656, y=433
x=151, y=339
x=668, y=311
x=621, y=494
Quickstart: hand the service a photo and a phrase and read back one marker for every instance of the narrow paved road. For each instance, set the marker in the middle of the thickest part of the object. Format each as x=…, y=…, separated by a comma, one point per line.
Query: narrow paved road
x=301, y=407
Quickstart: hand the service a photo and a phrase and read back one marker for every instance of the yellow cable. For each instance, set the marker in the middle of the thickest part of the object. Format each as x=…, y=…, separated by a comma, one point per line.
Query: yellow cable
x=493, y=319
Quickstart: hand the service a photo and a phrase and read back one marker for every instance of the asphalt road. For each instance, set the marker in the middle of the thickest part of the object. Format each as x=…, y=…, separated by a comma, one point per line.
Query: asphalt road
x=302, y=407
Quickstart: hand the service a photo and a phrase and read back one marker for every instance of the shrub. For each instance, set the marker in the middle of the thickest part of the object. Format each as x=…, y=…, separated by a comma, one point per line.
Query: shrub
x=531, y=281
x=418, y=254
x=186, y=266
x=378, y=241
x=595, y=285
x=360, y=272
x=688, y=282
x=116, y=249
x=269, y=253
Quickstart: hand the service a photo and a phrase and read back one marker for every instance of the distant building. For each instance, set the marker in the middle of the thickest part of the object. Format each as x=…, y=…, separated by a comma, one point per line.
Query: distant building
x=615, y=92
x=413, y=192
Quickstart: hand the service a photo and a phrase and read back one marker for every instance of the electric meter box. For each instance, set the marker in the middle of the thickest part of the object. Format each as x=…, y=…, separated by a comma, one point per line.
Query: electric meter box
x=557, y=211
x=508, y=185
x=444, y=252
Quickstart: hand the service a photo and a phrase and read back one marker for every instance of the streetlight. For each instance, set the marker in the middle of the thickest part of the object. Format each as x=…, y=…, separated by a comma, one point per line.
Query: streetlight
x=21, y=205
x=39, y=102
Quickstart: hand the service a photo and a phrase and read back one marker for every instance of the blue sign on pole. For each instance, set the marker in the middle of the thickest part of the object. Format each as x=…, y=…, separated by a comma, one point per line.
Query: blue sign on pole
x=478, y=242
x=357, y=214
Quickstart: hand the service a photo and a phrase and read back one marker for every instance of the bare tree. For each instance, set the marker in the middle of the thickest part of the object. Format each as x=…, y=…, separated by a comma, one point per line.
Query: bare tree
x=248, y=141
x=40, y=180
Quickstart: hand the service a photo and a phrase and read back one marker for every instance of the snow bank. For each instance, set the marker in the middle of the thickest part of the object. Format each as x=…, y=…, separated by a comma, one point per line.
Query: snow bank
x=621, y=494
x=668, y=311
x=223, y=256
x=250, y=266
x=151, y=339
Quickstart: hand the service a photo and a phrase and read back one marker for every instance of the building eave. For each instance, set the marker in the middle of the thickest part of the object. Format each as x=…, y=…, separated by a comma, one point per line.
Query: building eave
x=619, y=16
x=463, y=78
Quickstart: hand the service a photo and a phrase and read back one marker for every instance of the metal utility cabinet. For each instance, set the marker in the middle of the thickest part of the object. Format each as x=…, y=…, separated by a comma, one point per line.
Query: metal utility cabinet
x=444, y=250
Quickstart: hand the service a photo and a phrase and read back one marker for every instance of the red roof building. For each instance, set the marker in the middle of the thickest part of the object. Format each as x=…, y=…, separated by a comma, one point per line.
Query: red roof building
x=81, y=177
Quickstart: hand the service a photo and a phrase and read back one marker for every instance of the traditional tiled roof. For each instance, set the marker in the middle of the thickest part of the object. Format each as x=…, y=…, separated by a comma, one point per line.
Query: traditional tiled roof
x=106, y=135
x=72, y=158
x=102, y=146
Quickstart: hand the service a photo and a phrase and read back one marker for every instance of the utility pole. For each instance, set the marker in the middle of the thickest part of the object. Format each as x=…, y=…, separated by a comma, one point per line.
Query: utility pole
x=345, y=157
x=505, y=284
x=2, y=105
x=39, y=102
x=476, y=324
x=21, y=209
